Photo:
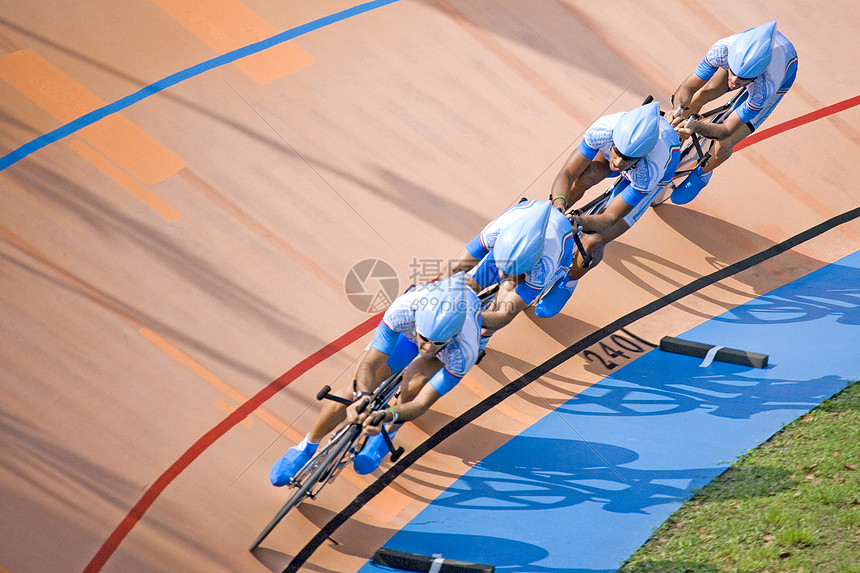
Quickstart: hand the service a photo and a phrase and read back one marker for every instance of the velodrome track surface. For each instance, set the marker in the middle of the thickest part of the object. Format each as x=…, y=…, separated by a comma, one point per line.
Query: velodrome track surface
x=178, y=220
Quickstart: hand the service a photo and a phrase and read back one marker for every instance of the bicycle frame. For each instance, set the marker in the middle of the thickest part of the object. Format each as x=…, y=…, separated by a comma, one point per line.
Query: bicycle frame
x=700, y=144
x=593, y=207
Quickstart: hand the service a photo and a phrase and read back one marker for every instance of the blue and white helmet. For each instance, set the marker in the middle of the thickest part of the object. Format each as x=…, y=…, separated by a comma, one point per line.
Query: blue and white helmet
x=750, y=53
x=636, y=133
x=520, y=245
x=440, y=311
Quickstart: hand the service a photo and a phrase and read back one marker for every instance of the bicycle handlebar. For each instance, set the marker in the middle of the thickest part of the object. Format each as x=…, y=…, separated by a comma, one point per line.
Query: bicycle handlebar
x=586, y=258
x=361, y=407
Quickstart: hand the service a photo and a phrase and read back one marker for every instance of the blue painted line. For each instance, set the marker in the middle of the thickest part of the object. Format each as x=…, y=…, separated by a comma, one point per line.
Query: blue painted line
x=173, y=79
x=583, y=488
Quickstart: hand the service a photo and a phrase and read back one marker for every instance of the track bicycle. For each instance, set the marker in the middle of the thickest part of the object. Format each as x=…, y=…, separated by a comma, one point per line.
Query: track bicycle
x=344, y=444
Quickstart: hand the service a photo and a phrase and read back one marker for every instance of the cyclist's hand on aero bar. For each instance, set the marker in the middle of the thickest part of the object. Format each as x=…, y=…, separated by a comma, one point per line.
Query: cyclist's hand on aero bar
x=373, y=424
x=677, y=116
x=686, y=129
x=355, y=412
x=575, y=221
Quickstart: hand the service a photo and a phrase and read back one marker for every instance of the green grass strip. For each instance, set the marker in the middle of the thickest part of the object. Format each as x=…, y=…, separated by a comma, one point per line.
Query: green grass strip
x=790, y=505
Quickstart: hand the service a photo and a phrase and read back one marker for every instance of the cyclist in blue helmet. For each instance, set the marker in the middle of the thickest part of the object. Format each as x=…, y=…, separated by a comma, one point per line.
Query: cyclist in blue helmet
x=519, y=246
x=432, y=333
x=526, y=249
x=760, y=58
x=644, y=149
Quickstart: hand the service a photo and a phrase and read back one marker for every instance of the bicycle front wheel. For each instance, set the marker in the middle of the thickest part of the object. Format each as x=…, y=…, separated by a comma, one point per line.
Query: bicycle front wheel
x=318, y=470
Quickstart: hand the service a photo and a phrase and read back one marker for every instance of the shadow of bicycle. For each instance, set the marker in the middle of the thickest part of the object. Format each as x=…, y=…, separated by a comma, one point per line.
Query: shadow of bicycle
x=725, y=243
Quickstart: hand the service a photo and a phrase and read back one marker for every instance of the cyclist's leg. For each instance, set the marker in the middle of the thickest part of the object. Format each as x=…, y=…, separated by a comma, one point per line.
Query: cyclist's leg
x=690, y=187
x=559, y=293
x=313, y=477
x=722, y=149
x=332, y=415
x=594, y=244
x=556, y=297
x=665, y=187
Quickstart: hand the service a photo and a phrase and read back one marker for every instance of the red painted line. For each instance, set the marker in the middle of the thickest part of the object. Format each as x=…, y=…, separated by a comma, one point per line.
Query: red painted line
x=245, y=410
x=798, y=121
x=328, y=350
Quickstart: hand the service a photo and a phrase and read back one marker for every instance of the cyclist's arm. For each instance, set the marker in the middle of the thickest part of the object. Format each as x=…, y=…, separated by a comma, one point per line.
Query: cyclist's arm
x=426, y=397
x=507, y=305
x=366, y=375
x=615, y=231
x=366, y=381
x=372, y=362
x=728, y=133
x=682, y=99
x=433, y=381
x=563, y=184
x=607, y=219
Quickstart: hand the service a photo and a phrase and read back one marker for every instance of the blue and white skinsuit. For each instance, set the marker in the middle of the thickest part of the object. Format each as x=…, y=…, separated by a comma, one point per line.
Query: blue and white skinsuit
x=554, y=262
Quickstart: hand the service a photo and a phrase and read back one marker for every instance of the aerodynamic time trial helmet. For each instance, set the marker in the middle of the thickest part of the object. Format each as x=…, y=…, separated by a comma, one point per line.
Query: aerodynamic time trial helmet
x=441, y=310
x=750, y=53
x=520, y=245
x=636, y=133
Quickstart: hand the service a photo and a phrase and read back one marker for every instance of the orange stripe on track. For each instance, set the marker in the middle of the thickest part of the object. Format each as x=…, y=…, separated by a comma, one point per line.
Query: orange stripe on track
x=125, y=181
x=229, y=408
x=65, y=100
x=236, y=396
x=226, y=25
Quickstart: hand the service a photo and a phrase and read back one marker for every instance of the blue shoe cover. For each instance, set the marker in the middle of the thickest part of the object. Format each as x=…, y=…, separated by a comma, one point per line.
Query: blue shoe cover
x=370, y=456
x=555, y=298
x=286, y=467
x=687, y=191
